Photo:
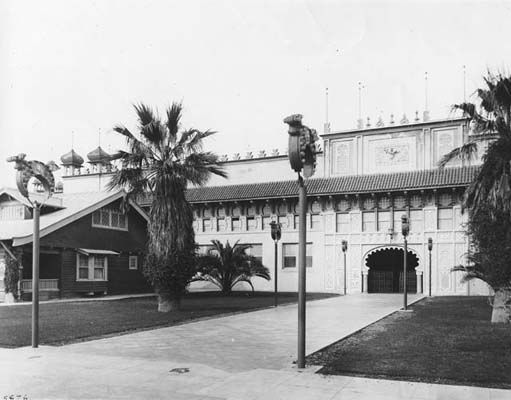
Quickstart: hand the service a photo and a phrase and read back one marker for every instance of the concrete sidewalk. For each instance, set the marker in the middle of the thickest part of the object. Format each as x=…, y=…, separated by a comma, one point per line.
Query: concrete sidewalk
x=245, y=356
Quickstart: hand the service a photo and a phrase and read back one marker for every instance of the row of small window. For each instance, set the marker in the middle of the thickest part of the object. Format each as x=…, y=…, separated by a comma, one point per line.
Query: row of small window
x=95, y=268
x=381, y=221
x=289, y=253
x=252, y=225
x=110, y=218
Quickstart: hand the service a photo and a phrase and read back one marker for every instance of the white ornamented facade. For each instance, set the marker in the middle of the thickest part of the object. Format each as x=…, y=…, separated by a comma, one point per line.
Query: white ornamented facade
x=366, y=180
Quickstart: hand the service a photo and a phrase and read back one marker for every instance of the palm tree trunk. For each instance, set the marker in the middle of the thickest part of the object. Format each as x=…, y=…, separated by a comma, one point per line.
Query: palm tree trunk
x=501, y=313
x=168, y=303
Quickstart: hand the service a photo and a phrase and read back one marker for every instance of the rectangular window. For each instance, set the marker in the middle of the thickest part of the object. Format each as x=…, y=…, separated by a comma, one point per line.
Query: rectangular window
x=383, y=221
x=133, y=262
x=290, y=254
x=91, y=268
x=257, y=251
x=236, y=224
x=83, y=267
x=266, y=223
x=110, y=218
x=251, y=224
x=284, y=222
x=220, y=223
x=416, y=224
x=206, y=225
x=315, y=221
x=343, y=222
x=368, y=221
x=445, y=218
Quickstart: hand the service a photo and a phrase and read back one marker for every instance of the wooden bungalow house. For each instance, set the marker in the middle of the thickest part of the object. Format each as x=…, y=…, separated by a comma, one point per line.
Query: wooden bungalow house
x=88, y=245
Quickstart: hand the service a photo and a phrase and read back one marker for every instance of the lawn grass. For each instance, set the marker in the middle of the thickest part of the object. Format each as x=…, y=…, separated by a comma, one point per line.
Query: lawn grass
x=67, y=322
x=444, y=340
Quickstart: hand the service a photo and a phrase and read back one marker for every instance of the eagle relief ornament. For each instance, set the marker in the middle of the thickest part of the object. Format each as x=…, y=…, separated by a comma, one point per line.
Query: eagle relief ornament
x=26, y=170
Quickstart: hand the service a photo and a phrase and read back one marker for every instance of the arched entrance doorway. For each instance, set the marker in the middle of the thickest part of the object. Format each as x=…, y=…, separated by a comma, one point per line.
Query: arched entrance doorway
x=386, y=271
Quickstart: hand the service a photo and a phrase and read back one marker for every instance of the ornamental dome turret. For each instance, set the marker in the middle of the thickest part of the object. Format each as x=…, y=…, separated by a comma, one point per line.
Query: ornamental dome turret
x=72, y=159
x=99, y=156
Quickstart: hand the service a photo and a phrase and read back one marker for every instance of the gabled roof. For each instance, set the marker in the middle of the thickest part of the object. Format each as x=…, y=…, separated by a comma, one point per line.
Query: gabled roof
x=76, y=206
x=54, y=202
x=411, y=180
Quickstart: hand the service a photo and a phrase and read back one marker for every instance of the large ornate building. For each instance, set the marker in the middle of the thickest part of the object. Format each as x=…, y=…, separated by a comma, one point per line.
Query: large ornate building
x=366, y=180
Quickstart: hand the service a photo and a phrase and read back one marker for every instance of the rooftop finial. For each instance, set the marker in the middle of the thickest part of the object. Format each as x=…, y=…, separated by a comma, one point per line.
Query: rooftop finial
x=327, y=123
x=360, y=122
x=391, y=119
x=368, y=125
x=464, y=84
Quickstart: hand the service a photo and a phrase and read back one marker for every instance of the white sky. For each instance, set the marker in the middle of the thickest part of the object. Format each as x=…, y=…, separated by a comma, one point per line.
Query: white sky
x=239, y=67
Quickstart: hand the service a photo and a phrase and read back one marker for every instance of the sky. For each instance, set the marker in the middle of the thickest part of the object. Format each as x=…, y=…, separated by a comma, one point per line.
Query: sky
x=70, y=69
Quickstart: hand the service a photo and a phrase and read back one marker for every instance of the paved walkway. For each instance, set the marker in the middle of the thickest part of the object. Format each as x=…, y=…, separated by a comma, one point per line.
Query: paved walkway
x=245, y=356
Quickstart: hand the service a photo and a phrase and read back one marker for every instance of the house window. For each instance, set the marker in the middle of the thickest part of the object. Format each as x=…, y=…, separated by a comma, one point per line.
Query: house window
x=445, y=218
x=290, y=254
x=91, y=268
x=343, y=222
x=368, y=221
x=110, y=218
x=206, y=225
x=236, y=224
x=383, y=221
x=133, y=262
x=315, y=221
x=251, y=224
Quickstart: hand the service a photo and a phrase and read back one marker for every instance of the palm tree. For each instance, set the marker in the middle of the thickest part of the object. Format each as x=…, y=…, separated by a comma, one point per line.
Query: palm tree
x=226, y=266
x=489, y=195
x=162, y=161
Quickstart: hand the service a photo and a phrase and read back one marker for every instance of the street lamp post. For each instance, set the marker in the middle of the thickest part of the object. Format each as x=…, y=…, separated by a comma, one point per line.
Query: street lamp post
x=43, y=173
x=430, y=247
x=344, y=249
x=276, y=233
x=302, y=157
x=405, y=229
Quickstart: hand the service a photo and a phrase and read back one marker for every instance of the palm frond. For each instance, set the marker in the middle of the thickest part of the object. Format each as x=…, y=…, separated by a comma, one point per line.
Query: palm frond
x=466, y=152
x=173, y=121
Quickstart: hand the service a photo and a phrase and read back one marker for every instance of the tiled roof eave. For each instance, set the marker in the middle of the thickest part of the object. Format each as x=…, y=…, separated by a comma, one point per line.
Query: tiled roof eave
x=455, y=177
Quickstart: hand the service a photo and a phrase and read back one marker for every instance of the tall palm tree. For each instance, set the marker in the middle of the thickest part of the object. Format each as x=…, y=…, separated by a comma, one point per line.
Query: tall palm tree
x=162, y=160
x=489, y=195
x=226, y=266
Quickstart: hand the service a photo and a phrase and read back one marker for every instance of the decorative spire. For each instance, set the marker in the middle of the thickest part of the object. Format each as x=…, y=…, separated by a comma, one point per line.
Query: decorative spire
x=391, y=119
x=327, y=122
x=368, y=125
x=416, y=119
x=360, y=121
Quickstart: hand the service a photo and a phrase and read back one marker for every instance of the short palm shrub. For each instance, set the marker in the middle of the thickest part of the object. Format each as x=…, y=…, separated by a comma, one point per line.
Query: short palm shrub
x=225, y=266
